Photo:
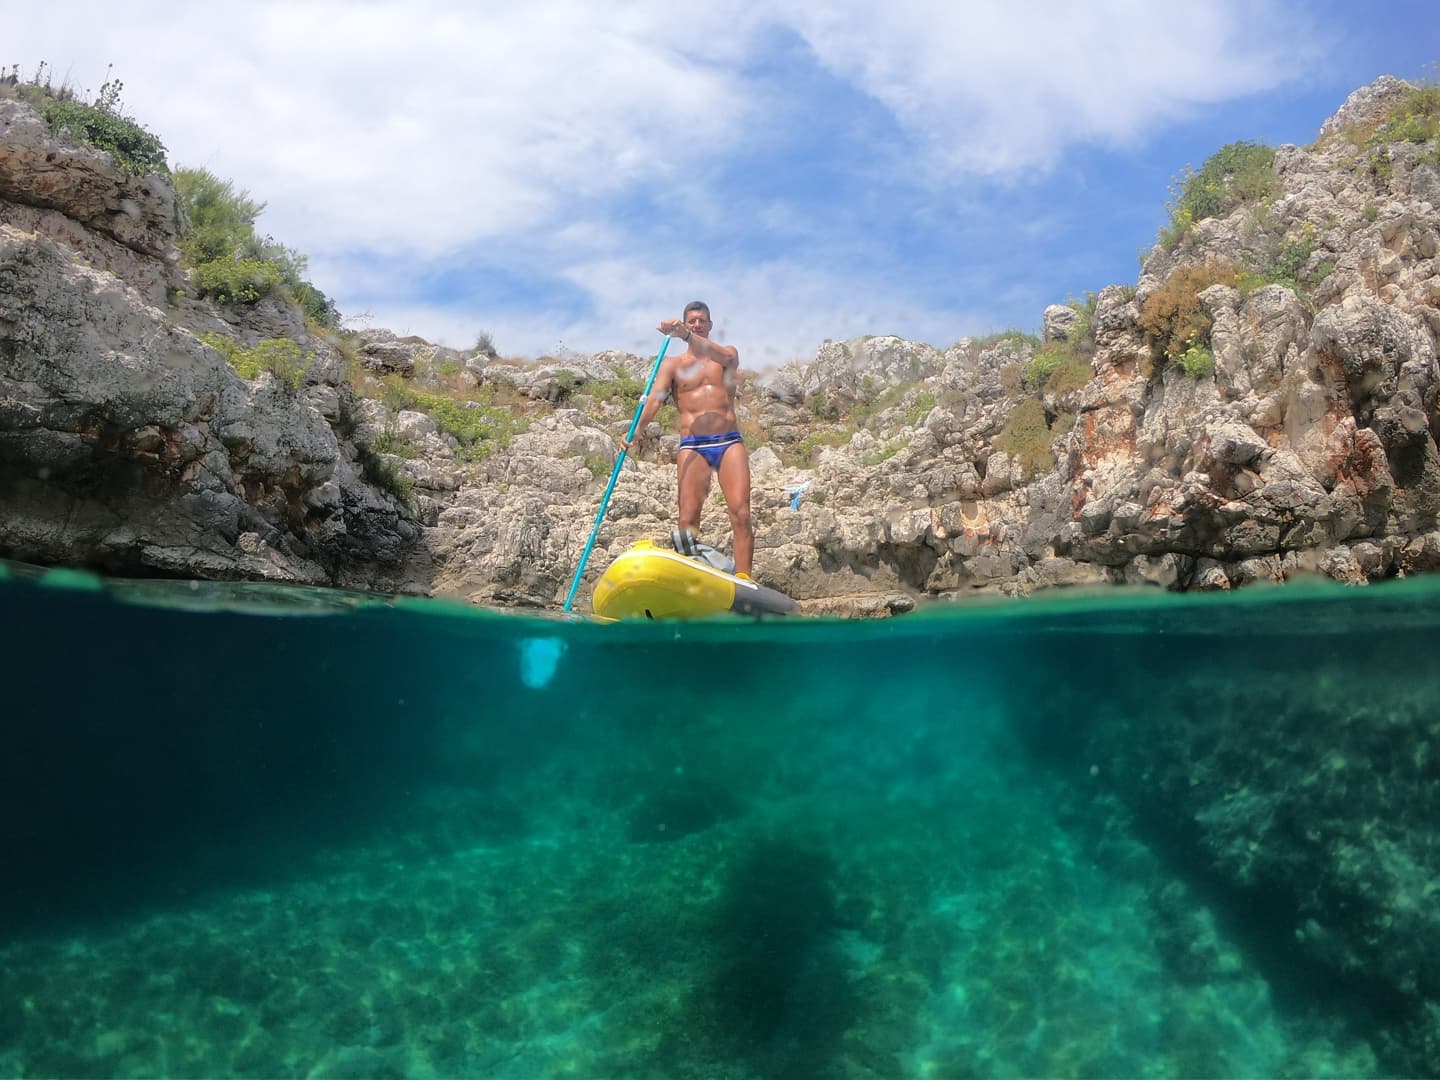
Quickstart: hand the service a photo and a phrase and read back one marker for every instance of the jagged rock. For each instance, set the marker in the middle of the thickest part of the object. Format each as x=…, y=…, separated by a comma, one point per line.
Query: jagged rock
x=125, y=442
x=1254, y=345
x=385, y=354
x=1421, y=554
x=86, y=185
x=1057, y=321
x=1388, y=365
x=137, y=448
x=856, y=369
x=1366, y=106
x=555, y=382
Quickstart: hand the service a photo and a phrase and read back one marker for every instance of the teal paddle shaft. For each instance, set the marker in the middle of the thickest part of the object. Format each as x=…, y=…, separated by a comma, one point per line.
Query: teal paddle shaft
x=615, y=475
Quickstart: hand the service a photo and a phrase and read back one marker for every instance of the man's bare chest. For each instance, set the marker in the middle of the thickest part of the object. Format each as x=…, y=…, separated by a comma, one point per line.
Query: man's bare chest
x=693, y=376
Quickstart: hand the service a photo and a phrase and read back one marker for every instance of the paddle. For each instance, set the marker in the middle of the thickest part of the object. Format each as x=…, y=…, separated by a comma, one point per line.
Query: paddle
x=615, y=475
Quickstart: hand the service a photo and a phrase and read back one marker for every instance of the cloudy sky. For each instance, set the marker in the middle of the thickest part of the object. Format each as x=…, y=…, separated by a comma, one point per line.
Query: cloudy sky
x=564, y=174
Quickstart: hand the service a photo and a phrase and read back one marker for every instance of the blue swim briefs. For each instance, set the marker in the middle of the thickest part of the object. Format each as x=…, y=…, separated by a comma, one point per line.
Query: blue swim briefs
x=711, y=447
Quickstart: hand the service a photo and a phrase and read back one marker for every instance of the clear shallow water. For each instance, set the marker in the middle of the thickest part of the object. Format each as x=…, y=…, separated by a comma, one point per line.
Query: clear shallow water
x=263, y=831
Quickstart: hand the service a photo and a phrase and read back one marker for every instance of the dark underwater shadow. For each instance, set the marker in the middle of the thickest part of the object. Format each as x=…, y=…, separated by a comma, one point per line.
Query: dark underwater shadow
x=104, y=813
x=776, y=998
x=150, y=757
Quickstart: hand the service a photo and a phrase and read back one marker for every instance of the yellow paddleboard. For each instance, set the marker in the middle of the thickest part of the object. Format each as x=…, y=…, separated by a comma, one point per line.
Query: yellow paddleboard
x=649, y=582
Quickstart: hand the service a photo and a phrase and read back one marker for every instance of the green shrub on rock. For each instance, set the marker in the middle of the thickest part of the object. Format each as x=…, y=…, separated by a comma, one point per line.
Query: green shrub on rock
x=101, y=123
x=231, y=263
x=1026, y=437
x=1058, y=368
x=478, y=424
x=378, y=471
x=1236, y=174
x=236, y=281
x=1197, y=361
x=919, y=407
x=1173, y=318
x=1414, y=118
x=1044, y=363
x=279, y=356
x=137, y=151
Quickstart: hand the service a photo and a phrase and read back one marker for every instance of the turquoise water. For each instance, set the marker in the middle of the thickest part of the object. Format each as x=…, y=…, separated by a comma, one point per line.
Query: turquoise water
x=258, y=831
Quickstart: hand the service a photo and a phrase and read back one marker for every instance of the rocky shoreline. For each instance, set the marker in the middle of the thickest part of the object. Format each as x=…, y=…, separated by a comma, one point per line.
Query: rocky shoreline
x=886, y=472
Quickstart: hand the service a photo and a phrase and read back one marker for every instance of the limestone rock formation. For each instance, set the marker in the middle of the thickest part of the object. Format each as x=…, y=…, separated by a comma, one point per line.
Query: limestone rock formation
x=886, y=472
x=126, y=442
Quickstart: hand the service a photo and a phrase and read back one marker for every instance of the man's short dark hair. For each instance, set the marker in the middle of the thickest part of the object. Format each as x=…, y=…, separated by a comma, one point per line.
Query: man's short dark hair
x=696, y=305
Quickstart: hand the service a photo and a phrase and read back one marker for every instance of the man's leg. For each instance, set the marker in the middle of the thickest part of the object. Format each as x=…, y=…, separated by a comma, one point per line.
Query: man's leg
x=734, y=475
x=694, y=485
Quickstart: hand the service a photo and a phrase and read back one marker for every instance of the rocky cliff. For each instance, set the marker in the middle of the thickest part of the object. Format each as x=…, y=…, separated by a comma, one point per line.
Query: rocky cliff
x=128, y=444
x=1260, y=404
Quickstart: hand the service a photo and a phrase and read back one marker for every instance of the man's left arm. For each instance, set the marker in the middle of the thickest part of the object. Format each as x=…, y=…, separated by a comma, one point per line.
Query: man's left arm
x=727, y=356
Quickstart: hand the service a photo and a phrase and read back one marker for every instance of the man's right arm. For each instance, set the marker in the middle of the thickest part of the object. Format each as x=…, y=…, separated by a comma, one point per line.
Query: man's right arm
x=659, y=392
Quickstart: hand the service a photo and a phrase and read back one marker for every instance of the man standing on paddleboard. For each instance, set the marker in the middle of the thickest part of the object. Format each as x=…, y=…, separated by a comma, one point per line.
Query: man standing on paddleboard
x=702, y=382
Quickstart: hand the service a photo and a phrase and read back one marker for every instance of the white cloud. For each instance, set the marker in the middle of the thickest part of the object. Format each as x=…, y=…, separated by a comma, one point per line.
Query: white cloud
x=413, y=126
x=997, y=87
x=580, y=151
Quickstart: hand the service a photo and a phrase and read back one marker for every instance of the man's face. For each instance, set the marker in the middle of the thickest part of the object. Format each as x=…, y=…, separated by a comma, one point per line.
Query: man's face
x=697, y=323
